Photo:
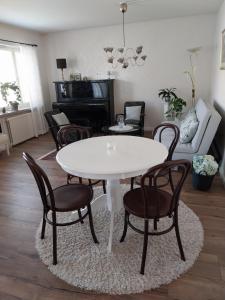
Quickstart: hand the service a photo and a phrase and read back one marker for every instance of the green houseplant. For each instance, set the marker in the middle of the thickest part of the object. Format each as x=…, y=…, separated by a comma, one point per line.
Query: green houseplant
x=204, y=170
x=167, y=94
x=173, y=105
x=5, y=88
x=176, y=107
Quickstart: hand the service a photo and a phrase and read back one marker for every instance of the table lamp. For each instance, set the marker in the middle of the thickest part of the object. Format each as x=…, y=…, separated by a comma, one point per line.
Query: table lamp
x=61, y=64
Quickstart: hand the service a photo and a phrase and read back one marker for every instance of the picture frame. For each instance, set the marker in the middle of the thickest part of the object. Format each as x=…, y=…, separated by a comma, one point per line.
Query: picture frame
x=72, y=76
x=222, y=66
x=77, y=76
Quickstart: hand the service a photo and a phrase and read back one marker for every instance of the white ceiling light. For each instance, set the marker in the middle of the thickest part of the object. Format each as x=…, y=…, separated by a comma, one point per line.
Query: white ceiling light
x=125, y=56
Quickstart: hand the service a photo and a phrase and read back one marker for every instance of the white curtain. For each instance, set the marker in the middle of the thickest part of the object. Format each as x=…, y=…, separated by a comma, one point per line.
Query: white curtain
x=30, y=84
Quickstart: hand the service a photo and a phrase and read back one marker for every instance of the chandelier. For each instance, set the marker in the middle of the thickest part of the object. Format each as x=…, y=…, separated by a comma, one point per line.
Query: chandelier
x=124, y=56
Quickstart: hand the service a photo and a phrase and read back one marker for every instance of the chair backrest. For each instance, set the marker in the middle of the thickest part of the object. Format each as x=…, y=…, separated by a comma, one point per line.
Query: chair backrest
x=175, y=136
x=136, y=103
x=72, y=133
x=42, y=181
x=153, y=177
x=54, y=128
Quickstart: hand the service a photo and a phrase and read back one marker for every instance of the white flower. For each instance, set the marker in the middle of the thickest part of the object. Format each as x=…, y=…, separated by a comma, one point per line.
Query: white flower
x=205, y=165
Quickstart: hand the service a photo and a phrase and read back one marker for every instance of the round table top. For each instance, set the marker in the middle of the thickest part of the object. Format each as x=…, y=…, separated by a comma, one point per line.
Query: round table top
x=111, y=157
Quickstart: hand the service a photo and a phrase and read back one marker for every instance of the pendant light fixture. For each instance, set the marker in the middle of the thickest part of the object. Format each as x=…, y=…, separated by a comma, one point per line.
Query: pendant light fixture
x=125, y=56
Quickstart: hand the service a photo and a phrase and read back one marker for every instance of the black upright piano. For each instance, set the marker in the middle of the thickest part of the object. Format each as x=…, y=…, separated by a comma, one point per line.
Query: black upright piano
x=87, y=103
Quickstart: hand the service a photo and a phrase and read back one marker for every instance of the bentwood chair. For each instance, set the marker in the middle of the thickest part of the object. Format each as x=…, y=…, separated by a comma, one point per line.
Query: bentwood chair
x=158, y=133
x=151, y=202
x=66, y=198
x=70, y=134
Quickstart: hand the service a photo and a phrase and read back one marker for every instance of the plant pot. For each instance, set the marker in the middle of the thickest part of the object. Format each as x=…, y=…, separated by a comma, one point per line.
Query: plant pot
x=14, y=106
x=201, y=182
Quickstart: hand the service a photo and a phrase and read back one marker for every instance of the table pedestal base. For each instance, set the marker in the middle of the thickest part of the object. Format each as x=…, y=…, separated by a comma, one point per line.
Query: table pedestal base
x=112, y=201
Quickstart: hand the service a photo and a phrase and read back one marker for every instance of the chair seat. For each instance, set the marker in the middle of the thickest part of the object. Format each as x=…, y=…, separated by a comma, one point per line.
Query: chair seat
x=134, y=203
x=71, y=197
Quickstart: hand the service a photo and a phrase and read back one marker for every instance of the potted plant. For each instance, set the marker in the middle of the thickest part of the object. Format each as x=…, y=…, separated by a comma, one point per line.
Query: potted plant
x=204, y=170
x=175, y=108
x=5, y=88
x=173, y=105
x=167, y=95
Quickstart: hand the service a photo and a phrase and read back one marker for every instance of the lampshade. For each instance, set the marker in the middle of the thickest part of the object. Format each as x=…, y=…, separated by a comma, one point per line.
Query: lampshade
x=61, y=63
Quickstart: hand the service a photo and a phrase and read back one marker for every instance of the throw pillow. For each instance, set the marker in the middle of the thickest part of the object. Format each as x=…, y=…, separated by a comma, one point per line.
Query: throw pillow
x=133, y=113
x=188, y=127
x=61, y=119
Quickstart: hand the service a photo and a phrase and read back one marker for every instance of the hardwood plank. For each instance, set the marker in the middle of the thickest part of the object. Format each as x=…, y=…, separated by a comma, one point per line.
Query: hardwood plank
x=24, y=276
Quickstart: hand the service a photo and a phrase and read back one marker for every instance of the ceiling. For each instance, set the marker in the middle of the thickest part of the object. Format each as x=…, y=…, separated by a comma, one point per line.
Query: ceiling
x=59, y=15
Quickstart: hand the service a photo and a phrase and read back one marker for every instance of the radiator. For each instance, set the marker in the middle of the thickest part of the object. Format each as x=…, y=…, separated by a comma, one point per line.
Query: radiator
x=20, y=128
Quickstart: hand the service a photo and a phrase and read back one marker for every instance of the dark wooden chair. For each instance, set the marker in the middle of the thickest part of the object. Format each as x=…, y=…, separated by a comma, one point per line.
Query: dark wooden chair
x=65, y=198
x=138, y=123
x=70, y=134
x=150, y=202
x=158, y=132
x=54, y=127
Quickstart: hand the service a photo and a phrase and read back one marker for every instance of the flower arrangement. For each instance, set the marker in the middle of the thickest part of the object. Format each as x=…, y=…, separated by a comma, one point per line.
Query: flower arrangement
x=205, y=165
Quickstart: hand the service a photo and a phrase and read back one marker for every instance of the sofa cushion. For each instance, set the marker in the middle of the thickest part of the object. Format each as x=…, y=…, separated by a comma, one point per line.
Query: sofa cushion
x=168, y=135
x=188, y=127
x=61, y=119
x=203, y=114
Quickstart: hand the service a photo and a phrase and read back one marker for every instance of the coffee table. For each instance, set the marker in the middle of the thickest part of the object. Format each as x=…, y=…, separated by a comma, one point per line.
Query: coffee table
x=111, y=158
x=125, y=130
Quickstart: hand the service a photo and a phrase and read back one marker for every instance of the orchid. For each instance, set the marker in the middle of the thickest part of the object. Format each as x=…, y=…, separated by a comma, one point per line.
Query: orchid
x=191, y=73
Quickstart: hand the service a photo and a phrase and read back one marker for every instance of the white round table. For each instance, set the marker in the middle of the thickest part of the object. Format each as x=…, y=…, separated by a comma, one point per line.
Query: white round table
x=111, y=158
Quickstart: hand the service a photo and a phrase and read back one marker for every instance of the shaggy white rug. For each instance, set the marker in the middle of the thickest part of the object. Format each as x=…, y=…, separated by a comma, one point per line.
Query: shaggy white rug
x=86, y=265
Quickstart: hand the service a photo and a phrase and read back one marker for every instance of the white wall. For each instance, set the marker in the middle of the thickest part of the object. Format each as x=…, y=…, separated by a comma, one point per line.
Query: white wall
x=165, y=42
x=218, y=86
x=14, y=33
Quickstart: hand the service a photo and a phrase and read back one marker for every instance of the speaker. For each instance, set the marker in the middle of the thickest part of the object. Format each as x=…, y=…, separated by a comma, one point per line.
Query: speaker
x=61, y=63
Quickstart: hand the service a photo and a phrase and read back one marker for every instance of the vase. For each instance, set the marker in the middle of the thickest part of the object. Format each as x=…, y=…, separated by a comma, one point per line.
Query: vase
x=165, y=110
x=201, y=182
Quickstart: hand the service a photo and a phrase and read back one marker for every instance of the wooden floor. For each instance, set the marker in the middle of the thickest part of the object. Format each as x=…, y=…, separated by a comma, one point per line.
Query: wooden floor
x=24, y=276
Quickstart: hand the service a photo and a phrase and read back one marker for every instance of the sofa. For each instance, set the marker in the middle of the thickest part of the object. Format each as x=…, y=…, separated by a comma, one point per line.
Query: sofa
x=209, y=120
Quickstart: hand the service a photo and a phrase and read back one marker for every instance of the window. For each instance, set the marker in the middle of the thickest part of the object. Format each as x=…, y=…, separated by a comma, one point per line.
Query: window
x=9, y=57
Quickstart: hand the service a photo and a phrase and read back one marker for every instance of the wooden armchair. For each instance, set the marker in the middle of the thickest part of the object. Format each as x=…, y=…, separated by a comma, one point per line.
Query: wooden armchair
x=134, y=122
x=54, y=127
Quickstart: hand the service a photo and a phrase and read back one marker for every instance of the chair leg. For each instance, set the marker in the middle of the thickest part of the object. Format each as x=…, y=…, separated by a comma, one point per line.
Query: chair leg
x=54, y=231
x=7, y=149
x=145, y=246
x=104, y=186
x=68, y=179
x=43, y=227
x=178, y=236
x=155, y=223
x=126, y=217
x=171, y=180
x=80, y=216
x=91, y=224
x=132, y=183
